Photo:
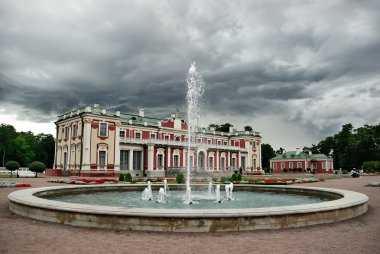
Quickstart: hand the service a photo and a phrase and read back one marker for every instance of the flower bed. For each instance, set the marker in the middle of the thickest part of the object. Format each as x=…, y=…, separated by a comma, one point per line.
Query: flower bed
x=13, y=184
x=273, y=181
x=373, y=184
x=83, y=181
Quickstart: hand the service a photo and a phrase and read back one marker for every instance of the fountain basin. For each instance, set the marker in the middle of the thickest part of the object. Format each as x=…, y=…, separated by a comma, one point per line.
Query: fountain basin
x=30, y=203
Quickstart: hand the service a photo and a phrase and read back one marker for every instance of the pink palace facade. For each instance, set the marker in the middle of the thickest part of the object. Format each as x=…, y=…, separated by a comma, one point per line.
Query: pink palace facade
x=100, y=141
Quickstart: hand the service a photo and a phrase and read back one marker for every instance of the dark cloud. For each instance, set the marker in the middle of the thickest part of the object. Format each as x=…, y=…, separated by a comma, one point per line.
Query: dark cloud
x=302, y=64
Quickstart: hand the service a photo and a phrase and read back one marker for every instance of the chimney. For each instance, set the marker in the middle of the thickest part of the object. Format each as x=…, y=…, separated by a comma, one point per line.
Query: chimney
x=231, y=129
x=141, y=112
x=298, y=150
x=310, y=152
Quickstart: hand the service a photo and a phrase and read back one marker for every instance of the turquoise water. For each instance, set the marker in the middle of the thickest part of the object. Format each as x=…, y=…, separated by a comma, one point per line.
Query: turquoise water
x=242, y=199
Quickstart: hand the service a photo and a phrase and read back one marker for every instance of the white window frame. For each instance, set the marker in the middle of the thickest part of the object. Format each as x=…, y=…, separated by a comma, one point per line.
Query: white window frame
x=166, y=137
x=175, y=154
x=211, y=161
x=100, y=129
x=291, y=165
x=160, y=165
x=138, y=133
x=274, y=166
x=152, y=135
x=122, y=136
x=66, y=132
x=161, y=152
x=74, y=130
x=299, y=164
x=102, y=149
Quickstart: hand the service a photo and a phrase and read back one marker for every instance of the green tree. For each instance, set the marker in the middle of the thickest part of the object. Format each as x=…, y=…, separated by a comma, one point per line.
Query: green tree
x=223, y=128
x=248, y=128
x=37, y=167
x=12, y=166
x=7, y=136
x=23, y=152
x=180, y=178
x=267, y=153
x=45, y=149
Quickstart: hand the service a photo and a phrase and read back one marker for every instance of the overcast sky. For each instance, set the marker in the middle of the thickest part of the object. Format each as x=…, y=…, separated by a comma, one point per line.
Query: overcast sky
x=293, y=70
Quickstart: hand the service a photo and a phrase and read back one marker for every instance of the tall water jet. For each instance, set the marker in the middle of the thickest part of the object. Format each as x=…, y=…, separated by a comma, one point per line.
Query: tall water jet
x=195, y=89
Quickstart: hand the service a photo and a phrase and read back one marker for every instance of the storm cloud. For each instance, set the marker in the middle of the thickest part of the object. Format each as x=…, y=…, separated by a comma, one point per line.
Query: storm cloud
x=294, y=70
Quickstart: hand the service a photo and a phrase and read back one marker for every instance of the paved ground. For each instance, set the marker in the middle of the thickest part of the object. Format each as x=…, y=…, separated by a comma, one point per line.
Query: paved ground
x=358, y=235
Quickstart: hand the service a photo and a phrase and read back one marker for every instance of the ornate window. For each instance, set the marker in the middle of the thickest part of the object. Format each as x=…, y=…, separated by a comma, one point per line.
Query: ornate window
x=103, y=130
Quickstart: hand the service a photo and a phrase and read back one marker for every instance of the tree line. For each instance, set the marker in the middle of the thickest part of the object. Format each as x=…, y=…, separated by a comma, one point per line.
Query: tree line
x=25, y=147
x=350, y=148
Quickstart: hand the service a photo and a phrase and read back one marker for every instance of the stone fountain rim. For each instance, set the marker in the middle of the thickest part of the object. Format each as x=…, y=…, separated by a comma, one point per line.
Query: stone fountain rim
x=27, y=197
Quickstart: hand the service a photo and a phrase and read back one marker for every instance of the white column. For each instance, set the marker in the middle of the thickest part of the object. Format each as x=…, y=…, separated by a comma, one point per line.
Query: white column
x=228, y=160
x=142, y=160
x=86, y=139
x=117, y=149
x=260, y=163
x=69, y=150
x=168, y=157
x=217, y=160
x=130, y=161
x=150, y=157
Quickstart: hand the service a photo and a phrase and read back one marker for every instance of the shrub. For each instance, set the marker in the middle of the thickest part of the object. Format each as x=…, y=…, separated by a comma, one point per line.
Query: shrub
x=238, y=177
x=128, y=177
x=299, y=169
x=12, y=166
x=285, y=170
x=234, y=177
x=180, y=178
x=37, y=167
x=121, y=177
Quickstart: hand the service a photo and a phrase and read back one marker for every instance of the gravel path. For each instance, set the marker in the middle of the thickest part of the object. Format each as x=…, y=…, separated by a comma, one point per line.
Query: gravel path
x=358, y=235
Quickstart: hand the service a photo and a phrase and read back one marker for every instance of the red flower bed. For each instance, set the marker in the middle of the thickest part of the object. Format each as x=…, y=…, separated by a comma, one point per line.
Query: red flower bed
x=23, y=185
x=96, y=181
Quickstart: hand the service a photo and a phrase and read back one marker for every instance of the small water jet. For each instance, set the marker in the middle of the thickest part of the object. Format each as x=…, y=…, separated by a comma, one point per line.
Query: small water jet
x=229, y=188
x=161, y=196
x=166, y=188
x=217, y=194
x=209, y=189
x=147, y=193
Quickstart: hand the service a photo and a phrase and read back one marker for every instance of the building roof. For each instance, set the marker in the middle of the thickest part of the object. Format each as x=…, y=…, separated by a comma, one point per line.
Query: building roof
x=137, y=119
x=299, y=156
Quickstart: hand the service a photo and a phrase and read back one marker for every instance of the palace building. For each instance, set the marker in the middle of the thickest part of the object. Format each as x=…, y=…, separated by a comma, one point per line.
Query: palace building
x=298, y=161
x=94, y=141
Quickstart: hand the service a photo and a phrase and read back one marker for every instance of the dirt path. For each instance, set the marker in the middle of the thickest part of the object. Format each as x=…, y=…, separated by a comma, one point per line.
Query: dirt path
x=358, y=235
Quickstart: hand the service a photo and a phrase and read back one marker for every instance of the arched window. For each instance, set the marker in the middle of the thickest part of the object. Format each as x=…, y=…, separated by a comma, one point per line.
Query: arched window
x=102, y=155
x=201, y=160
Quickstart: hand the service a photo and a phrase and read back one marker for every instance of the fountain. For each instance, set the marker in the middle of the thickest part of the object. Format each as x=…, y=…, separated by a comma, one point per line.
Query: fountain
x=210, y=214
x=229, y=188
x=217, y=194
x=166, y=188
x=147, y=193
x=161, y=196
x=209, y=189
x=195, y=89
